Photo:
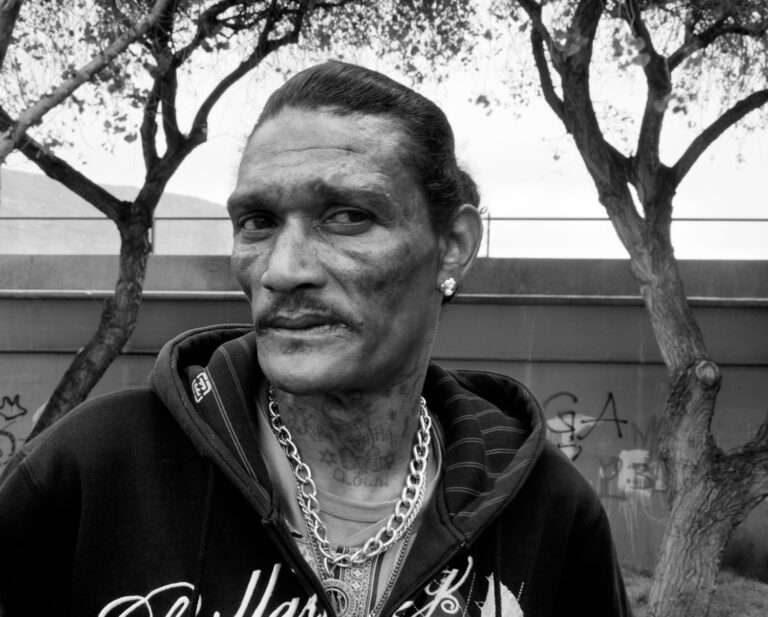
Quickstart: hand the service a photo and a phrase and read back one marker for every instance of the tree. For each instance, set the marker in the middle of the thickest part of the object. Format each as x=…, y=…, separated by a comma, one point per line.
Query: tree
x=187, y=32
x=709, y=491
x=34, y=114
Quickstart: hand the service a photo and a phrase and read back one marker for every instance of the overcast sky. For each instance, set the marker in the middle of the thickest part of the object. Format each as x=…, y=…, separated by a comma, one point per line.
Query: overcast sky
x=525, y=166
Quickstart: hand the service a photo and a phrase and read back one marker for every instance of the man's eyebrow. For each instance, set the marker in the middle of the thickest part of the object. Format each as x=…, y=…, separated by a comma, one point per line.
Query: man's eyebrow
x=329, y=193
x=344, y=194
x=239, y=201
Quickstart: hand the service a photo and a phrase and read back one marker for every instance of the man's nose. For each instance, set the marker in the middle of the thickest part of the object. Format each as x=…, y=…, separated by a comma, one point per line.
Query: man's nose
x=292, y=261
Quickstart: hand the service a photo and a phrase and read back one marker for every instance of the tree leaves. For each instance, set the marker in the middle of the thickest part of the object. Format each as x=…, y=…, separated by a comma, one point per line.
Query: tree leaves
x=425, y=37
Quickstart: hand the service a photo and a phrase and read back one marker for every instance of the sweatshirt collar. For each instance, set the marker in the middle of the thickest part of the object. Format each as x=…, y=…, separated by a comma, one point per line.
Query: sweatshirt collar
x=492, y=425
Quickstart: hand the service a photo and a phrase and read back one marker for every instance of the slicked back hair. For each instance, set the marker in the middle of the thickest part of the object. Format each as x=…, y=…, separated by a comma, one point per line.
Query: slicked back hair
x=344, y=89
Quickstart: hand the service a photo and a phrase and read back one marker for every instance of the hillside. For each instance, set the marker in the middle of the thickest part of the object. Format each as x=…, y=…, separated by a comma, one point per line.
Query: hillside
x=35, y=195
x=27, y=194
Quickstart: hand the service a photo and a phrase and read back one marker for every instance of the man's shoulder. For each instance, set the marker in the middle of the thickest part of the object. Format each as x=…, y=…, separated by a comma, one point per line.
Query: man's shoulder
x=108, y=427
x=556, y=482
x=122, y=411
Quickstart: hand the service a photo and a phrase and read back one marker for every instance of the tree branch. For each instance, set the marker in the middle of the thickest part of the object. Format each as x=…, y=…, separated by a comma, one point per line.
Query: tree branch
x=161, y=38
x=545, y=77
x=206, y=23
x=601, y=158
x=754, y=455
x=760, y=483
x=533, y=9
x=35, y=113
x=264, y=47
x=169, y=89
x=332, y=5
x=719, y=28
x=760, y=440
x=118, y=15
x=148, y=130
x=607, y=166
x=714, y=130
x=540, y=37
x=9, y=13
x=63, y=172
x=658, y=85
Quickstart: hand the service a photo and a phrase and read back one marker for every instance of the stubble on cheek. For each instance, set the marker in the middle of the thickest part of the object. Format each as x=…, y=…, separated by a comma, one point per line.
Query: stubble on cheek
x=389, y=281
x=387, y=276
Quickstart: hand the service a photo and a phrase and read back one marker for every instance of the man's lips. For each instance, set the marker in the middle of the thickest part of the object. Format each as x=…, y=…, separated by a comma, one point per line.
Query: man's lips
x=299, y=322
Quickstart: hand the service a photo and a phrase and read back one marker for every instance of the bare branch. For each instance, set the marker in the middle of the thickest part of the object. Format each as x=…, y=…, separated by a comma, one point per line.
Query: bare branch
x=206, y=24
x=601, y=158
x=148, y=130
x=607, y=166
x=332, y=5
x=754, y=455
x=161, y=41
x=63, y=172
x=36, y=112
x=758, y=443
x=714, y=130
x=540, y=37
x=264, y=47
x=9, y=13
x=658, y=86
x=533, y=10
x=760, y=440
x=118, y=15
x=721, y=27
x=168, y=91
x=545, y=77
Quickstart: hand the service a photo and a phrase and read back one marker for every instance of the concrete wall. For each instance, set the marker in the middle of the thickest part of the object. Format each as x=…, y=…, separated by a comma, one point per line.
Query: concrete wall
x=575, y=332
x=508, y=277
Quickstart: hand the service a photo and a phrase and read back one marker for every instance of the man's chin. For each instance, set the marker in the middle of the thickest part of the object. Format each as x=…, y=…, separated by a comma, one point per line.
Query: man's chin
x=304, y=374
x=300, y=384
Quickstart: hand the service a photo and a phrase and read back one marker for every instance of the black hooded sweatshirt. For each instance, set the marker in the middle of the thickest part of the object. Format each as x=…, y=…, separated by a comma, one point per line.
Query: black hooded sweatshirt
x=157, y=502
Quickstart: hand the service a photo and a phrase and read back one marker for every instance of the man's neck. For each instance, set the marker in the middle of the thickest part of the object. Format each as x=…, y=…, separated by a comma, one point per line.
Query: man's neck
x=357, y=446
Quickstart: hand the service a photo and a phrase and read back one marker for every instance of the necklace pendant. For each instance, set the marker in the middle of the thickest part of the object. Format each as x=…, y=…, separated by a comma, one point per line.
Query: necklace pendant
x=341, y=596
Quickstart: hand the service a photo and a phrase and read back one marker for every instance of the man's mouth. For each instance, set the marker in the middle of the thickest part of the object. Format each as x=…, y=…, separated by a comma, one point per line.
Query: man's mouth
x=301, y=323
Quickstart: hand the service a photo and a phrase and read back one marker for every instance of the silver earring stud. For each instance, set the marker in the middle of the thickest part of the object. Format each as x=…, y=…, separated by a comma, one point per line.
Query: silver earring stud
x=448, y=288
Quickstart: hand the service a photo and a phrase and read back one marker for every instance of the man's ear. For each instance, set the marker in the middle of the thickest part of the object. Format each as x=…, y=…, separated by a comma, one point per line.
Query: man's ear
x=460, y=243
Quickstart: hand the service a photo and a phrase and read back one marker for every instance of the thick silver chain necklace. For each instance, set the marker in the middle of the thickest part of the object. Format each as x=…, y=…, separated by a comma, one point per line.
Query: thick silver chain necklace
x=398, y=524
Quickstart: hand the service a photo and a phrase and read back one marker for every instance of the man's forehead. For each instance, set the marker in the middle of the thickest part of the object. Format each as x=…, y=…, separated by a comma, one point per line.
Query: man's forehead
x=299, y=129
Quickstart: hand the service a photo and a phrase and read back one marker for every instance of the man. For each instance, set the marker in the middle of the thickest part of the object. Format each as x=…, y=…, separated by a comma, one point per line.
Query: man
x=317, y=464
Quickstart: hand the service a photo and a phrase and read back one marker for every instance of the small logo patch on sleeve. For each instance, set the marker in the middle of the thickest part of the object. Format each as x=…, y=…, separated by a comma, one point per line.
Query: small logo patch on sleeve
x=201, y=386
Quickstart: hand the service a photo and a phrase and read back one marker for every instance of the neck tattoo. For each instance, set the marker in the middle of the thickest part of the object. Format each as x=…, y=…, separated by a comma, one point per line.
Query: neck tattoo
x=330, y=562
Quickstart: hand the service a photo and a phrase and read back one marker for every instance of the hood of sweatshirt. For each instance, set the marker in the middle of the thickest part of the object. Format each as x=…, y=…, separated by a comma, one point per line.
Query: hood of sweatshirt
x=492, y=426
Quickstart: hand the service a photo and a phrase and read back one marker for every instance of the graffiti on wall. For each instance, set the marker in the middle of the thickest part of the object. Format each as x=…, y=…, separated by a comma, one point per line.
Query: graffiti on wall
x=11, y=410
x=571, y=428
x=628, y=466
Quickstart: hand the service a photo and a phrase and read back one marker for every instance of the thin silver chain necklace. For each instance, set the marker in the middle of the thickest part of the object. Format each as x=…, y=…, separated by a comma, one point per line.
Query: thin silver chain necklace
x=397, y=527
x=406, y=508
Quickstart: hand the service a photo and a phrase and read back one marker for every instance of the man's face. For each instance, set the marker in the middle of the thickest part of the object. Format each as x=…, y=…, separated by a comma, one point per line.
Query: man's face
x=334, y=247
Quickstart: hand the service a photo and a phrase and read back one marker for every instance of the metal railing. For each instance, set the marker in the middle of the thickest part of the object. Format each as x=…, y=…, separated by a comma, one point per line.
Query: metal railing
x=492, y=225
x=489, y=222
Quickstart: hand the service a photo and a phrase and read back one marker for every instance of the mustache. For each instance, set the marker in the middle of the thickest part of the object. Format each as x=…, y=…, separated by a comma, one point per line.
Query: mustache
x=282, y=306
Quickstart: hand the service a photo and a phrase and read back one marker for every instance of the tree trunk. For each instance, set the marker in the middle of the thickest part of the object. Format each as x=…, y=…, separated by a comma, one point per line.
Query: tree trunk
x=118, y=320
x=709, y=493
x=703, y=516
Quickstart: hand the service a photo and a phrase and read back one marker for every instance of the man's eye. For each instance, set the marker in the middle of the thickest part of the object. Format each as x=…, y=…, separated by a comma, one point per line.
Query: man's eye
x=256, y=222
x=349, y=217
